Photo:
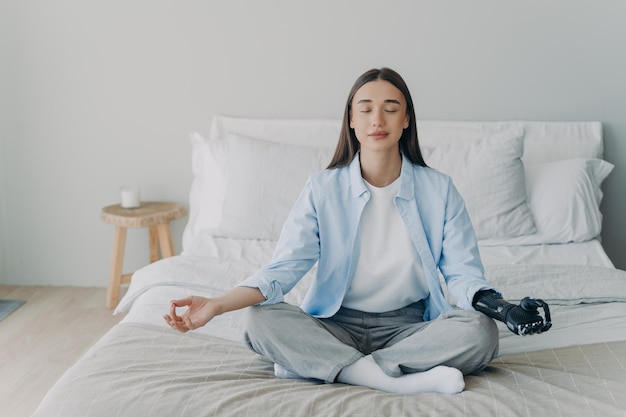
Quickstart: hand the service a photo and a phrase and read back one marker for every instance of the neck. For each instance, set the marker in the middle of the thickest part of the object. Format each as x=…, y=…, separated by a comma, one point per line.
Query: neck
x=380, y=169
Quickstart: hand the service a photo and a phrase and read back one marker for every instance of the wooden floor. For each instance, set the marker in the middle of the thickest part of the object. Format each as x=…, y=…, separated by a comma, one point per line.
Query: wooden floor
x=41, y=339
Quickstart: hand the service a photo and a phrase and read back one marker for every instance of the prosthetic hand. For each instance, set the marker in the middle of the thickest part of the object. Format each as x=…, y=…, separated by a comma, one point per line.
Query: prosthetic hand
x=523, y=319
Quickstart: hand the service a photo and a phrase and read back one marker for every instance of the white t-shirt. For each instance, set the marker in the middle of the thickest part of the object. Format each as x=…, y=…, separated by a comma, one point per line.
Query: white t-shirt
x=389, y=274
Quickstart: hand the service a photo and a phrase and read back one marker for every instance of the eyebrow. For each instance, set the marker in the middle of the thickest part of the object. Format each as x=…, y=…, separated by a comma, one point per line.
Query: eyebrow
x=392, y=101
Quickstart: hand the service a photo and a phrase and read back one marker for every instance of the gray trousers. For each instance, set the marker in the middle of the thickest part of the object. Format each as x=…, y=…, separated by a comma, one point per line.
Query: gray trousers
x=399, y=341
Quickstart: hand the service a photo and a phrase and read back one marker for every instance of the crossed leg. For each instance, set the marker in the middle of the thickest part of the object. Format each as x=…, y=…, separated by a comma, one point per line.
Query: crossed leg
x=431, y=357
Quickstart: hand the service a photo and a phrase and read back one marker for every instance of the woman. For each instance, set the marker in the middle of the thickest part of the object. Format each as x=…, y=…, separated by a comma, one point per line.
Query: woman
x=381, y=226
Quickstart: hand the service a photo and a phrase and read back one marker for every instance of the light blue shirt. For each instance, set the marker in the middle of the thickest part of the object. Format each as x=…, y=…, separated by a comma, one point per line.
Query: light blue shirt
x=323, y=227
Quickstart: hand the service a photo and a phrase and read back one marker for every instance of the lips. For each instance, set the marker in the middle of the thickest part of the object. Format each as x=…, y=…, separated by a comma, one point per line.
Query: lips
x=379, y=134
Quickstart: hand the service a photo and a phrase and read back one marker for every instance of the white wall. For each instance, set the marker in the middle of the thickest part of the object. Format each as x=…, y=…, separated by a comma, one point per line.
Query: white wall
x=4, y=242
x=99, y=94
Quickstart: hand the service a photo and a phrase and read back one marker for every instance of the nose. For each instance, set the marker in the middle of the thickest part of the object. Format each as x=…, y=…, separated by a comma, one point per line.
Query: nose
x=378, y=118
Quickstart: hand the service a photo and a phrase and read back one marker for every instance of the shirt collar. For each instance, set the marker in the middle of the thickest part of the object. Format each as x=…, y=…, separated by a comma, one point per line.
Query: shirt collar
x=356, y=179
x=407, y=180
x=406, y=190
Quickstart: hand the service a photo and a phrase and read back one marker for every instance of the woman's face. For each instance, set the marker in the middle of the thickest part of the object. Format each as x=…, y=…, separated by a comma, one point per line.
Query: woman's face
x=378, y=116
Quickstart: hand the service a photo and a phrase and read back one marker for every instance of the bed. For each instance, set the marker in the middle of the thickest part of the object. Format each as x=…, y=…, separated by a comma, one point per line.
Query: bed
x=533, y=191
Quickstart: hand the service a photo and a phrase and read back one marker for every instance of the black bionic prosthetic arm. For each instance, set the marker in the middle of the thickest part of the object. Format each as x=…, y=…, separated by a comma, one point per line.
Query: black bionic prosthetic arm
x=522, y=319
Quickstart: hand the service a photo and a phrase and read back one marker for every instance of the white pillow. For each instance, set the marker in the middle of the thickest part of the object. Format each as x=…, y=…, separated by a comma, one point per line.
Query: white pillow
x=208, y=189
x=264, y=180
x=564, y=197
x=489, y=174
x=209, y=159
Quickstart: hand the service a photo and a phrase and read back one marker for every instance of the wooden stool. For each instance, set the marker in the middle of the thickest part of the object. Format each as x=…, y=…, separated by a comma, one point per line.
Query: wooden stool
x=155, y=215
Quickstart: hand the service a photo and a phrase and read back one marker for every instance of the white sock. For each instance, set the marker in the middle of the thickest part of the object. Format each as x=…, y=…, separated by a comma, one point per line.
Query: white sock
x=367, y=373
x=284, y=373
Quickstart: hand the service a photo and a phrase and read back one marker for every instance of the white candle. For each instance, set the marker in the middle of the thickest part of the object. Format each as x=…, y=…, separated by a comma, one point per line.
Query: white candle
x=129, y=197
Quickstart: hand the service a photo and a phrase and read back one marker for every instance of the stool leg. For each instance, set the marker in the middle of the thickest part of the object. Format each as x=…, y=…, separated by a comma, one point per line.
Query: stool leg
x=117, y=261
x=165, y=240
x=154, y=244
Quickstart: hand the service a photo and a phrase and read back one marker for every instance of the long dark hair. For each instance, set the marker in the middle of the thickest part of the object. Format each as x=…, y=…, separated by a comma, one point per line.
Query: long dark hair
x=348, y=145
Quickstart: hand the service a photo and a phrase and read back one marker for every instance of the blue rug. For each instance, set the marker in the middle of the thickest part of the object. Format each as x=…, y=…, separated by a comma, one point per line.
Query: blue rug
x=9, y=306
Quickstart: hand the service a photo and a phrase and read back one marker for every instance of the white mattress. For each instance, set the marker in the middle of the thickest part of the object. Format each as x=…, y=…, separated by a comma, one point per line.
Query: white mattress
x=585, y=253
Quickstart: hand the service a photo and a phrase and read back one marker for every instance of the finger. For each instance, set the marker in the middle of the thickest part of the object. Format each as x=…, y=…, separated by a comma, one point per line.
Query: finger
x=178, y=325
x=534, y=328
x=181, y=327
x=171, y=322
x=173, y=311
x=182, y=302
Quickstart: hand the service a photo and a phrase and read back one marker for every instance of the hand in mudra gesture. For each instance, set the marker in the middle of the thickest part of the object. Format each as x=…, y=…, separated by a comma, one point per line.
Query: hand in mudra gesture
x=200, y=311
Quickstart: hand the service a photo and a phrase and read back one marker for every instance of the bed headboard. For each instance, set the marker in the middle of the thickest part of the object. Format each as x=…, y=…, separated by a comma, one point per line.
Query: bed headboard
x=543, y=141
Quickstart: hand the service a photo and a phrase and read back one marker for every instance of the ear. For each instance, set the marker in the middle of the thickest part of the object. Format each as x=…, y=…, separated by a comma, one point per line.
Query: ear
x=407, y=119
